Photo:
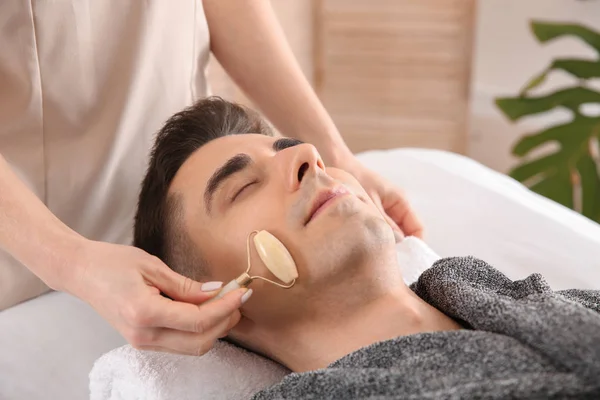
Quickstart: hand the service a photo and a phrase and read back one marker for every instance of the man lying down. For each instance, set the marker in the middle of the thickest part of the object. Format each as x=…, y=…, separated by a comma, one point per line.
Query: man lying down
x=350, y=328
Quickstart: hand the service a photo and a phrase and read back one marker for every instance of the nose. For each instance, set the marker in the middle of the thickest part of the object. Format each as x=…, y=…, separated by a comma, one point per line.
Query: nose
x=298, y=162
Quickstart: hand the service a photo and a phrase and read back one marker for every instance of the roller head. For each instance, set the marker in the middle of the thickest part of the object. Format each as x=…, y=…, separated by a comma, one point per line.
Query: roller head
x=275, y=256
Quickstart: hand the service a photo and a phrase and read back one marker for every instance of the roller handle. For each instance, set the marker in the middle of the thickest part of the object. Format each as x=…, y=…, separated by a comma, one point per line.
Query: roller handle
x=230, y=287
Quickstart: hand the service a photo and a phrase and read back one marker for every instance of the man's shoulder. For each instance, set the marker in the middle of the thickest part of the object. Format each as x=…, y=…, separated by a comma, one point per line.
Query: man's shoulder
x=456, y=273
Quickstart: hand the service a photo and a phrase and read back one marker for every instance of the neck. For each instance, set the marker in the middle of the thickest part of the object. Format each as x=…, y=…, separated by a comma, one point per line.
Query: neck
x=327, y=336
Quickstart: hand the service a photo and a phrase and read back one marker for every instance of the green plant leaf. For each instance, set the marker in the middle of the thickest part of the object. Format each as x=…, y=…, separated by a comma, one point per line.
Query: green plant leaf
x=576, y=132
x=571, y=98
x=582, y=69
x=534, y=82
x=590, y=182
x=557, y=187
x=551, y=175
x=545, y=31
x=545, y=166
x=572, y=166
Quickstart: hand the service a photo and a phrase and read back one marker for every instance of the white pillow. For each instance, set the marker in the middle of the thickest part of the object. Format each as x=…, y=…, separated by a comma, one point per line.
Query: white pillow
x=469, y=209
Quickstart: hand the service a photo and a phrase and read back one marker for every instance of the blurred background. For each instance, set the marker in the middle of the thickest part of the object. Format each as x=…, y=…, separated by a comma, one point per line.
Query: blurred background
x=427, y=73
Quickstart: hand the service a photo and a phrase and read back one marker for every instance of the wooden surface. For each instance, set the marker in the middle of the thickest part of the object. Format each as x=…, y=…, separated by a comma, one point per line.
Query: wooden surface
x=392, y=73
x=395, y=73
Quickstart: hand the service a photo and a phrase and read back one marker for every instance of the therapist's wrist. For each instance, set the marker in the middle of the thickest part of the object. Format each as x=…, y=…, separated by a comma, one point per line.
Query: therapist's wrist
x=342, y=158
x=335, y=153
x=64, y=261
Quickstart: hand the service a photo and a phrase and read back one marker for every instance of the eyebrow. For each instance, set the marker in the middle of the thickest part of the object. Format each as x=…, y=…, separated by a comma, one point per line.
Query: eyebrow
x=284, y=143
x=235, y=164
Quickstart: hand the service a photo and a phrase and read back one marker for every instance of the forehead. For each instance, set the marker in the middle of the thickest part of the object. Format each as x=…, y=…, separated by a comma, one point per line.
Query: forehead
x=195, y=172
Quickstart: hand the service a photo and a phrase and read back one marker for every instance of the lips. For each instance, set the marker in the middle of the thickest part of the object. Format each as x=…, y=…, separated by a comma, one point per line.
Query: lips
x=322, y=198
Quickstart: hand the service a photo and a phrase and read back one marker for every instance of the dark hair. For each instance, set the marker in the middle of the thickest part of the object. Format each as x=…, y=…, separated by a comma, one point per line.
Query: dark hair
x=158, y=222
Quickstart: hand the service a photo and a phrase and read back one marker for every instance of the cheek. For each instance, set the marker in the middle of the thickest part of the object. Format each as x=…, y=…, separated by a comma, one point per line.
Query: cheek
x=225, y=259
x=259, y=210
x=227, y=241
x=222, y=250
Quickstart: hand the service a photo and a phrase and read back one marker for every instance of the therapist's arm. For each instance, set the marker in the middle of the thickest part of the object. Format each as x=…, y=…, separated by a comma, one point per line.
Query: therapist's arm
x=122, y=283
x=249, y=43
x=31, y=233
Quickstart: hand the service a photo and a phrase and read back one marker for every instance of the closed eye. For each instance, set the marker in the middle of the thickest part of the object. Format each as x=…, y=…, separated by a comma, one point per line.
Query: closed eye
x=235, y=196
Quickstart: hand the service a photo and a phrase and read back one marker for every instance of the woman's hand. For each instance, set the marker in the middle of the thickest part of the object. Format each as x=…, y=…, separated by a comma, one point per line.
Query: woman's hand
x=124, y=284
x=392, y=203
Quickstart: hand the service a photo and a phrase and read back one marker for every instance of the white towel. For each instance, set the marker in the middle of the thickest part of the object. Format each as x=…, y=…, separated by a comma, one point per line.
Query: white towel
x=225, y=372
x=414, y=257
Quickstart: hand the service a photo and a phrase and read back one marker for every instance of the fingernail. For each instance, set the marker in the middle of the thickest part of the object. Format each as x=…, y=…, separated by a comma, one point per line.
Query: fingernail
x=210, y=286
x=246, y=296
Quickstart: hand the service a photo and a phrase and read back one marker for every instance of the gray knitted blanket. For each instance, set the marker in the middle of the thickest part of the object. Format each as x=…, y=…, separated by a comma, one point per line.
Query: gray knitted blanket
x=524, y=341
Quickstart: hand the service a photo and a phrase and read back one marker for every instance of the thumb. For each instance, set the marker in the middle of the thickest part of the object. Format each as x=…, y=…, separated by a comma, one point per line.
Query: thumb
x=398, y=235
x=179, y=287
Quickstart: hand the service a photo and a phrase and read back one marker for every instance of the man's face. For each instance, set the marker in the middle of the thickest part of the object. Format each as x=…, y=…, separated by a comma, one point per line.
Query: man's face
x=238, y=184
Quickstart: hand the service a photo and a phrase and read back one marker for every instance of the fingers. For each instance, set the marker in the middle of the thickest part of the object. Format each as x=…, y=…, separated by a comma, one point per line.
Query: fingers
x=404, y=216
x=234, y=319
x=188, y=343
x=398, y=234
x=412, y=225
x=177, y=342
x=174, y=285
x=180, y=342
x=378, y=203
x=162, y=312
x=183, y=328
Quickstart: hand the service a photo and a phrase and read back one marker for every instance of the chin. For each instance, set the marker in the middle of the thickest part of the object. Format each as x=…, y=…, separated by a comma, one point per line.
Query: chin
x=354, y=242
x=372, y=235
x=365, y=226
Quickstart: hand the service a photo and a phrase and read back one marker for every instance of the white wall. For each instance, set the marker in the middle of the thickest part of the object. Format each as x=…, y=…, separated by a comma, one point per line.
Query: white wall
x=506, y=56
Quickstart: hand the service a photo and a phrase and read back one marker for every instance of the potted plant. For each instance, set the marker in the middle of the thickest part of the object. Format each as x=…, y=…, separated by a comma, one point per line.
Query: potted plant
x=570, y=175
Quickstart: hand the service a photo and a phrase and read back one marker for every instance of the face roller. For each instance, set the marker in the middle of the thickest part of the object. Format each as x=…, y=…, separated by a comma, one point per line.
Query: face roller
x=275, y=257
